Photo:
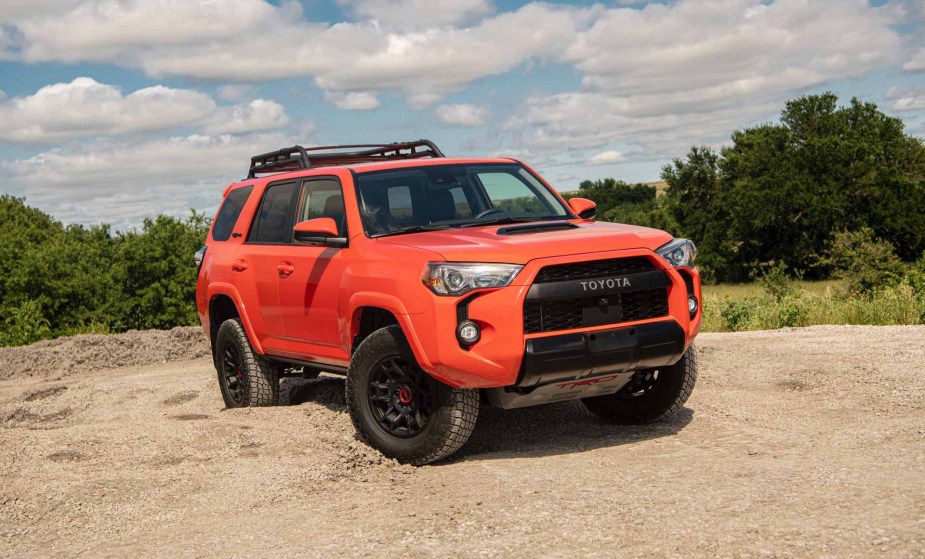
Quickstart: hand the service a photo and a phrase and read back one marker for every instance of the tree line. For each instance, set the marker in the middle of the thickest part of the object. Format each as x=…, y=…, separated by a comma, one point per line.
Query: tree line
x=59, y=280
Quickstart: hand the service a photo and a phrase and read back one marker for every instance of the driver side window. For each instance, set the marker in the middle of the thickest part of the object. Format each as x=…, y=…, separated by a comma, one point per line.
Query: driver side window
x=323, y=198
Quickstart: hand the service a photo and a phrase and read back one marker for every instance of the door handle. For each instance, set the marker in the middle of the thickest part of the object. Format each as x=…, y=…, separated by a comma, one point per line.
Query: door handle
x=239, y=265
x=285, y=269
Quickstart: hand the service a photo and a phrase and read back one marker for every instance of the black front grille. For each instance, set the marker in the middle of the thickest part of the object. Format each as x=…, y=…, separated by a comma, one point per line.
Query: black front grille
x=563, y=314
x=594, y=269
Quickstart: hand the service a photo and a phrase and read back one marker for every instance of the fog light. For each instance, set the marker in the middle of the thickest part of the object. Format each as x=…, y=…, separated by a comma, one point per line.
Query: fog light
x=468, y=332
x=692, y=304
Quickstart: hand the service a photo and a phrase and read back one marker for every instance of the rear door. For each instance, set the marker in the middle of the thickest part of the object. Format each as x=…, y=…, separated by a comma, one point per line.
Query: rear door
x=310, y=292
x=259, y=261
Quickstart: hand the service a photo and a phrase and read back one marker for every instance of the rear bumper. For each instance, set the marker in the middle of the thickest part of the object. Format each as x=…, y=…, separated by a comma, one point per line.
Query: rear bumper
x=574, y=356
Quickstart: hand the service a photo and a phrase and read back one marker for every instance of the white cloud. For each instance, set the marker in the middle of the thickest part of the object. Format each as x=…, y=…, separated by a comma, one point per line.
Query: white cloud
x=580, y=121
x=419, y=13
x=236, y=91
x=733, y=48
x=907, y=98
x=462, y=114
x=353, y=100
x=121, y=31
x=122, y=182
x=259, y=114
x=215, y=41
x=12, y=9
x=917, y=62
x=85, y=107
x=606, y=158
x=715, y=67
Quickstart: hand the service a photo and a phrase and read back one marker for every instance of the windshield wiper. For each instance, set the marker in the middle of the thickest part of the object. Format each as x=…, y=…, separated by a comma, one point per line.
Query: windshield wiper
x=412, y=229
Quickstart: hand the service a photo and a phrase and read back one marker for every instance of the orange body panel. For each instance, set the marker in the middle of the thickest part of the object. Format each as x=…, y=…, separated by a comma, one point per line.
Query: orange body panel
x=311, y=313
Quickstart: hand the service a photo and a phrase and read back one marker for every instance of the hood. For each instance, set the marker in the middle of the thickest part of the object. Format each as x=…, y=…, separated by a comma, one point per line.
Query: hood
x=485, y=244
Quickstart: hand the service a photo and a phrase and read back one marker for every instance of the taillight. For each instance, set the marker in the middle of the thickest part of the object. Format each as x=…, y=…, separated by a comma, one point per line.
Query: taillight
x=199, y=256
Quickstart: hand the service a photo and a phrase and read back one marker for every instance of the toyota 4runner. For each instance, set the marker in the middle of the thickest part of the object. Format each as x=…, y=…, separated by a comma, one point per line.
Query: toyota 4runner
x=437, y=285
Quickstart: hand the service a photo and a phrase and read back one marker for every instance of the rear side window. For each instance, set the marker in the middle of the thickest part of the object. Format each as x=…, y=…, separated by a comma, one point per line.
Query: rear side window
x=273, y=223
x=228, y=214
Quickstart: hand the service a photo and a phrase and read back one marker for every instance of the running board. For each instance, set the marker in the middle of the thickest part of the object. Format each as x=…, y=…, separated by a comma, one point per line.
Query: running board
x=509, y=398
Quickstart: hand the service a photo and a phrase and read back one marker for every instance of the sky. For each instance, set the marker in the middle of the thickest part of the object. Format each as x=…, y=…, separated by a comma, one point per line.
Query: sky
x=114, y=110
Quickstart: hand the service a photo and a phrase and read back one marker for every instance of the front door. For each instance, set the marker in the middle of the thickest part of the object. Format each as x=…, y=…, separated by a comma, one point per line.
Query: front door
x=309, y=293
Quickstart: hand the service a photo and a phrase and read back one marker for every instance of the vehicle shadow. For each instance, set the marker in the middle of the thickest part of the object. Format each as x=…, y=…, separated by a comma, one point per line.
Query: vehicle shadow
x=324, y=390
x=552, y=429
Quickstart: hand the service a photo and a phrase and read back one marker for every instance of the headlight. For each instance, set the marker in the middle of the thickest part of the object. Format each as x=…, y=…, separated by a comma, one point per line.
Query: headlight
x=451, y=278
x=679, y=252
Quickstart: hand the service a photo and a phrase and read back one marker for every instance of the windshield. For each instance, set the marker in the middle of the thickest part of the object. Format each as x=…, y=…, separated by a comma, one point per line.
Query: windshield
x=445, y=196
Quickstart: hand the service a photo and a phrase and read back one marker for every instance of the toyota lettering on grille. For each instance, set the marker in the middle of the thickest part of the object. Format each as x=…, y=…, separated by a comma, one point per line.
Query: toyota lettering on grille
x=609, y=283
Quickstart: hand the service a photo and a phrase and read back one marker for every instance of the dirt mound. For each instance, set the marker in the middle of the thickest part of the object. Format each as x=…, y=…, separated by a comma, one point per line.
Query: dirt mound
x=96, y=351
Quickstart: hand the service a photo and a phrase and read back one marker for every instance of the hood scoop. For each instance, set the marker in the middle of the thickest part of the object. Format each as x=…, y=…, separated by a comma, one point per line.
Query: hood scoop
x=540, y=227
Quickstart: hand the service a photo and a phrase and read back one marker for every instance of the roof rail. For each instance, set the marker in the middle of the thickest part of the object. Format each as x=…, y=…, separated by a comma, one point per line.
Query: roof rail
x=297, y=157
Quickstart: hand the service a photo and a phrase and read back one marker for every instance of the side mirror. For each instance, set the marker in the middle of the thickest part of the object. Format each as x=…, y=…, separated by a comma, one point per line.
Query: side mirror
x=586, y=209
x=319, y=231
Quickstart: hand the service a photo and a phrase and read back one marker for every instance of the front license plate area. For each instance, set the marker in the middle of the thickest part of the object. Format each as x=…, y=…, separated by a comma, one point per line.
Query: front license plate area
x=601, y=314
x=603, y=342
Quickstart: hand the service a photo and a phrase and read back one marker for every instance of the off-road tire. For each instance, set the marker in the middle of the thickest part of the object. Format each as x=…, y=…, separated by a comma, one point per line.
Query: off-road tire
x=260, y=377
x=665, y=399
x=449, y=425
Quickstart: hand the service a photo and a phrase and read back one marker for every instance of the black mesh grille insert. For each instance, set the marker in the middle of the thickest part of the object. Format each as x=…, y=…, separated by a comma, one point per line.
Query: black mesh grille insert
x=547, y=316
x=594, y=269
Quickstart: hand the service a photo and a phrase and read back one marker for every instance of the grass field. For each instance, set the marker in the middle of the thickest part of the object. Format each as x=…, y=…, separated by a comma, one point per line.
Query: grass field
x=735, y=307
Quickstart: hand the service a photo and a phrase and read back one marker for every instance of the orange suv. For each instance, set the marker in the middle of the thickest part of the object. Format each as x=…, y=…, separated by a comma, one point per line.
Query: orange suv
x=437, y=285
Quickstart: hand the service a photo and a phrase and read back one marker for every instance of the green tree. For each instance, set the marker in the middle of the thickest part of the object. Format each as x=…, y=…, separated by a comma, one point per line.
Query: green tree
x=155, y=273
x=694, y=201
x=782, y=191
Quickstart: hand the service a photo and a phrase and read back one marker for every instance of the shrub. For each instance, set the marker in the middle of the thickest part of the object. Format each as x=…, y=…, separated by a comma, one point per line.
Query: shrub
x=866, y=262
x=739, y=315
x=25, y=325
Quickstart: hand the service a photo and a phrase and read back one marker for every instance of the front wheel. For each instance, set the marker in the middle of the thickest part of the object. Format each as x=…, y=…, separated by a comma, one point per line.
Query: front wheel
x=399, y=409
x=651, y=395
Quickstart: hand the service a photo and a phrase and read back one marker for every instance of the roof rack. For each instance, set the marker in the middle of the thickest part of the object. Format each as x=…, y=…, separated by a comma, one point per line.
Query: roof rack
x=297, y=157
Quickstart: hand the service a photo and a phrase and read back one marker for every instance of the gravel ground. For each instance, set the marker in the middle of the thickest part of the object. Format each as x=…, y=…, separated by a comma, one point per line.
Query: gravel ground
x=796, y=443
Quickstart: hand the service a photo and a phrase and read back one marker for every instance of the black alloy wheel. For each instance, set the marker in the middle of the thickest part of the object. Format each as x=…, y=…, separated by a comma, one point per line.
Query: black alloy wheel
x=650, y=395
x=641, y=384
x=399, y=409
x=233, y=373
x=400, y=397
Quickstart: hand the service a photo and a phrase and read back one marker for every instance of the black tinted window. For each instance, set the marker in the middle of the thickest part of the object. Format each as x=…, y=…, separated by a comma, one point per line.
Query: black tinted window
x=228, y=214
x=273, y=223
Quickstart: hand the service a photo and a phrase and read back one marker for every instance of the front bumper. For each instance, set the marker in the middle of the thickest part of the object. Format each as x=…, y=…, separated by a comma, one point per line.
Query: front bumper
x=568, y=357
x=499, y=358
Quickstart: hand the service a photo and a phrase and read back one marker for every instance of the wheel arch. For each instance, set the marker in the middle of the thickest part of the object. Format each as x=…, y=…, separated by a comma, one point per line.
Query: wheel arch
x=224, y=304
x=370, y=311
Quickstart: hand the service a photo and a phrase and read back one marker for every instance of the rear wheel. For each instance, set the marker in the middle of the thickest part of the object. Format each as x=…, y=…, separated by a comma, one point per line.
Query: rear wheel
x=399, y=409
x=244, y=376
x=651, y=395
